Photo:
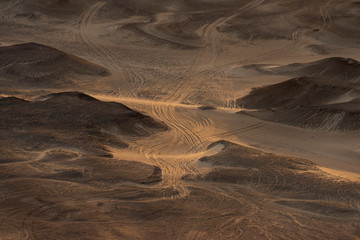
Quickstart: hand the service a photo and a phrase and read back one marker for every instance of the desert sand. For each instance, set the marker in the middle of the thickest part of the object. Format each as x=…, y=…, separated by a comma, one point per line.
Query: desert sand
x=179, y=119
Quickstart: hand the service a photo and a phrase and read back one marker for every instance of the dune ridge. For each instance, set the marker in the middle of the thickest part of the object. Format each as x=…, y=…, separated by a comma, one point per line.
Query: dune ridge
x=179, y=119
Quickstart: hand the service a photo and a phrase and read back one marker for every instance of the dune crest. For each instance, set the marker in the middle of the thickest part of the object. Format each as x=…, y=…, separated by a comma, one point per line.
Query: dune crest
x=179, y=119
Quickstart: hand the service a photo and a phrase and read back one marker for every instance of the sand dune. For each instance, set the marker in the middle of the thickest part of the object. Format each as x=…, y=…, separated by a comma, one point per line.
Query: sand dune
x=306, y=102
x=178, y=160
x=336, y=69
x=332, y=118
x=287, y=183
x=284, y=177
x=39, y=66
x=306, y=91
x=69, y=120
x=326, y=99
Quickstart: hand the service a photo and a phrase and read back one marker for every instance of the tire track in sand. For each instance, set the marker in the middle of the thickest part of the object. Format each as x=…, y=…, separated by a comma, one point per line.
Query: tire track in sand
x=6, y=5
x=183, y=127
x=94, y=48
x=324, y=13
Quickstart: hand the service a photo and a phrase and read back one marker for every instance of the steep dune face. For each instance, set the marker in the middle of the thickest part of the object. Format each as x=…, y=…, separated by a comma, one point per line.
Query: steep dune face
x=36, y=65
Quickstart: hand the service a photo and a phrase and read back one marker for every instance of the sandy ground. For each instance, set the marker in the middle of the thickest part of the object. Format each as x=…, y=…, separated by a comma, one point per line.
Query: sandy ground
x=216, y=172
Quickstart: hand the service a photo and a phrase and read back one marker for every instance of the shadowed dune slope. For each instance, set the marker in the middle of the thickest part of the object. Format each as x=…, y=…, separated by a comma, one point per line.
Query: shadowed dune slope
x=305, y=91
x=63, y=138
x=327, y=118
x=33, y=64
x=327, y=99
x=336, y=117
x=69, y=120
x=336, y=68
x=78, y=109
x=306, y=102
